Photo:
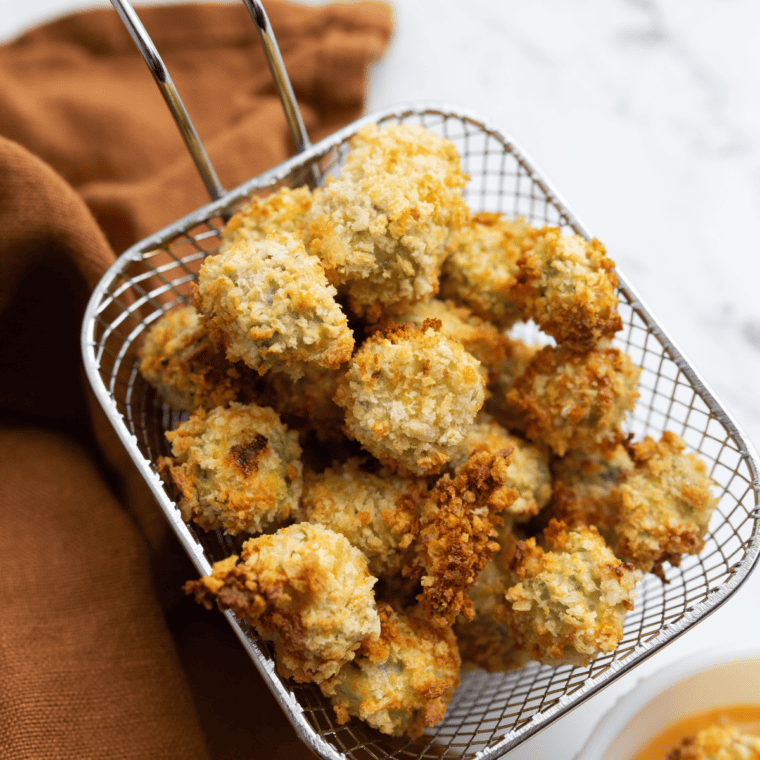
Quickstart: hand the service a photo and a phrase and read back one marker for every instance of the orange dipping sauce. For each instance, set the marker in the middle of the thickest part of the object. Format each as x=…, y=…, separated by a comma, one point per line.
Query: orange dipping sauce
x=746, y=717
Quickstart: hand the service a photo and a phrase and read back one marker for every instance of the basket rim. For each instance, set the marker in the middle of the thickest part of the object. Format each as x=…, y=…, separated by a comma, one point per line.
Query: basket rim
x=542, y=719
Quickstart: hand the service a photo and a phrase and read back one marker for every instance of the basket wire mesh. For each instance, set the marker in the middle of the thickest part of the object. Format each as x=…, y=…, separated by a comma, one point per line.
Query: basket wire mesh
x=490, y=713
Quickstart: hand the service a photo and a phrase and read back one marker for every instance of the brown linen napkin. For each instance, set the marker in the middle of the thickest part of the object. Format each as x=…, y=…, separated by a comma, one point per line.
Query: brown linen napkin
x=100, y=654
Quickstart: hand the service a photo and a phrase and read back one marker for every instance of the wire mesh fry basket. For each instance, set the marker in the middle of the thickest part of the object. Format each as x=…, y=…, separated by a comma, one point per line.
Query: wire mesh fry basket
x=490, y=713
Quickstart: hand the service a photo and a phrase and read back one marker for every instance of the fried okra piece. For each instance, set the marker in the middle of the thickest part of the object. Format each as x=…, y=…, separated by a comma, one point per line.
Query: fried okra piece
x=457, y=534
x=486, y=640
x=401, y=683
x=481, y=268
x=188, y=368
x=269, y=303
x=718, y=742
x=304, y=588
x=586, y=487
x=378, y=512
x=528, y=471
x=572, y=400
x=479, y=338
x=571, y=598
x=380, y=227
x=237, y=468
x=567, y=285
x=409, y=395
x=665, y=504
x=284, y=210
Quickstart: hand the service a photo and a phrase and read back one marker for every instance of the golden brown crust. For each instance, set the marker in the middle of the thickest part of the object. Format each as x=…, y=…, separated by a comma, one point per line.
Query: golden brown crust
x=481, y=268
x=306, y=589
x=572, y=399
x=571, y=598
x=665, y=504
x=567, y=286
x=409, y=394
x=401, y=683
x=457, y=534
x=717, y=742
x=236, y=468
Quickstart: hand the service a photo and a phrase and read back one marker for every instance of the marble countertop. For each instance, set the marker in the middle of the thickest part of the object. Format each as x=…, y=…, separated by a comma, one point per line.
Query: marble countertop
x=646, y=116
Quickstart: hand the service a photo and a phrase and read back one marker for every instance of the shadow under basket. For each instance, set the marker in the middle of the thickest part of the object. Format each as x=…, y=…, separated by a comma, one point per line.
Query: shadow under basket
x=490, y=713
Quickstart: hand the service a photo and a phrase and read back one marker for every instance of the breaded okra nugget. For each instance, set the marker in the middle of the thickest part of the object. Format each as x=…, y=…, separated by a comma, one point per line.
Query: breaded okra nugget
x=479, y=338
x=380, y=227
x=718, y=742
x=304, y=588
x=237, y=468
x=270, y=304
x=665, y=504
x=567, y=286
x=571, y=598
x=401, y=683
x=481, y=268
x=571, y=400
x=188, y=368
x=409, y=395
x=528, y=471
x=457, y=534
x=284, y=210
x=379, y=513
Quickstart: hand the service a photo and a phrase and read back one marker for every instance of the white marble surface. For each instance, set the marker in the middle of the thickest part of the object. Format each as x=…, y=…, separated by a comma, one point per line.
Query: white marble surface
x=646, y=116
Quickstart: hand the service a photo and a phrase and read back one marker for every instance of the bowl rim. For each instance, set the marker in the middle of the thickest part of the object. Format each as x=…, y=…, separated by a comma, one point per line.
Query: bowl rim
x=647, y=688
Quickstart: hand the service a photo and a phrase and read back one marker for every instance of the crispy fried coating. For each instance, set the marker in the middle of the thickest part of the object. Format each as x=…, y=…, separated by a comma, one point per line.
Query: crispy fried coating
x=401, y=683
x=378, y=512
x=571, y=399
x=409, y=395
x=237, y=468
x=188, y=368
x=567, y=286
x=457, y=534
x=586, y=487
x=481, y=269
x=665, y=504
x=304, y=588
x=571, y=598
x=716, y=742
x=284, y=210
x=479, y=338
x=380, y=227
x=528, y=471
x=269, y=302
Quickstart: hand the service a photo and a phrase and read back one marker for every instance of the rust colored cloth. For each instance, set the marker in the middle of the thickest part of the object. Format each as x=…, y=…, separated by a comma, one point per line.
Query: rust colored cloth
x=100, y=653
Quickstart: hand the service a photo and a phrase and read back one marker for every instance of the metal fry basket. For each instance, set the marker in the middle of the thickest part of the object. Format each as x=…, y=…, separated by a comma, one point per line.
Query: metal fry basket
x=490, y=713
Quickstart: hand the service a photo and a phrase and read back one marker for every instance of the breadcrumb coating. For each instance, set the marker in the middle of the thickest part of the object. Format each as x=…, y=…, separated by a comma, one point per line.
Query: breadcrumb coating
x=457, y=534
x=284, y=210
x=380, y=227
x=665, y=504
x=718, y=742
x=269, y=302
x=304, y=588
x=377, y=512
x=567, y=286
x=528, y=471
x=188, y=368
x=572, y=400
x=409, y=395
x=401, y=683
x=479, y=338
x=236, y=468
x=571, y=598
x=586, y=487
x=481, y=269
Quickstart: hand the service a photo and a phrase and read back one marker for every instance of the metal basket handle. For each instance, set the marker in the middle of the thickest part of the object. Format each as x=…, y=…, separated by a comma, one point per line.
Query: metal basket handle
x=174, y=102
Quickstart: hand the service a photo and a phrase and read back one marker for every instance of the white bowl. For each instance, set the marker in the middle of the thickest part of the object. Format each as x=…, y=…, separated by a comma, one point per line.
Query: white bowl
x=700, y=682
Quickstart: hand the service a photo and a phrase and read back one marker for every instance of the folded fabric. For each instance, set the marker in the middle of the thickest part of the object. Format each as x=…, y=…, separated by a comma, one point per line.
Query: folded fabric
x=102, y=656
